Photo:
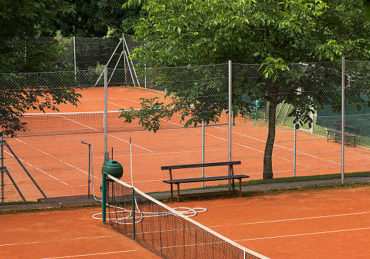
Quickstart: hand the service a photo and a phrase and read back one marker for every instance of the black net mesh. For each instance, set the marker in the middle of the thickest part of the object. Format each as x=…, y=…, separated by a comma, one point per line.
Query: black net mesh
x=164, y=231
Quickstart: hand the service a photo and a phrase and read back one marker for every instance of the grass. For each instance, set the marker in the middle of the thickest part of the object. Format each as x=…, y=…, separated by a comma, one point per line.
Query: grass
x=360, y=140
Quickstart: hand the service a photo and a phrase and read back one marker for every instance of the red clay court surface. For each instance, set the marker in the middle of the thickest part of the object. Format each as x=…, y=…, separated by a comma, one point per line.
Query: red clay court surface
x=59, y=163
x=310, y=224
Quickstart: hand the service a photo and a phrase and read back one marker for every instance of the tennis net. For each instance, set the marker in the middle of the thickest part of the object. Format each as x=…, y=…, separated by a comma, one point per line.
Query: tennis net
x=59, y=123
x=165, y=231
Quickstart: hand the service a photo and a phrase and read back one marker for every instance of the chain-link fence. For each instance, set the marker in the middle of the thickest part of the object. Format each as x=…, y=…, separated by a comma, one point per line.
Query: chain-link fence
x=284, y=127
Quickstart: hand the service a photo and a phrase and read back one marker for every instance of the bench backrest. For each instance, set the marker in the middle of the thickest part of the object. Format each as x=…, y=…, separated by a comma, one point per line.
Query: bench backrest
x=339, y=127
x=200, y=165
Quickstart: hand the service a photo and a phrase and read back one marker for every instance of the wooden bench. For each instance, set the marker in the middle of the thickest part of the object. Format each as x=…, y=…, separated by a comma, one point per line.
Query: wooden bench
x=230, y=176
x=336, y=134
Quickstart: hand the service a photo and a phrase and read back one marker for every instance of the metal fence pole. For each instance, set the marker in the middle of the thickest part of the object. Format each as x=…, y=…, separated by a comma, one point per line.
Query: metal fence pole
x=230, y=117
x=2, y=166
x=89, y=170
x=203, y=149
x=230, y=108
x=106, y=154
x=74, y=56
x=145, y=83
x=295, y=150
x=343, y=119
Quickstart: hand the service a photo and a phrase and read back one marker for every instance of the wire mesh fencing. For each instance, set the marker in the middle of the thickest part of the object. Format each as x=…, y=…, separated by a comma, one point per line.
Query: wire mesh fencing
x=187, y=110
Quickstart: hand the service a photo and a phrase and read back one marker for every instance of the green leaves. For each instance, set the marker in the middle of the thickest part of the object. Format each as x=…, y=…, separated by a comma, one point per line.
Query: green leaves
x=150, y=115
x=272, y=66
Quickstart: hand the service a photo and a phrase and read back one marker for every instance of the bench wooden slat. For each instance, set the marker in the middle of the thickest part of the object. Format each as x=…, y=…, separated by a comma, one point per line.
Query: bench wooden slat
x=205, y=179
x=200, y=165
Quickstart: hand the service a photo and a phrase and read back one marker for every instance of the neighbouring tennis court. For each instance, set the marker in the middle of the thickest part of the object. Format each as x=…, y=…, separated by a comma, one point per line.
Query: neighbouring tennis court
x=54, y=156
x=64, y=234
x=305, y=224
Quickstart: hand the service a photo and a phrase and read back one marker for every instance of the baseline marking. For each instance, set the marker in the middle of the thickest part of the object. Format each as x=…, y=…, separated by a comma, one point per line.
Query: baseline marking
x=42, y=242
x=95, y=254
x=108, y=134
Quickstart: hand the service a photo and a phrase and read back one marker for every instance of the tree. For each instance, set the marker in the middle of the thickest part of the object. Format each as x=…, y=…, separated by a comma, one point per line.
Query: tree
x=97, y=18
x=271, y=33
x=21, y=23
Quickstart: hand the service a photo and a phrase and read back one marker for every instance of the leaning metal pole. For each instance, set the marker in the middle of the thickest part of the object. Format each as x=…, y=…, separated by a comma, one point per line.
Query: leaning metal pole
x=343, y=119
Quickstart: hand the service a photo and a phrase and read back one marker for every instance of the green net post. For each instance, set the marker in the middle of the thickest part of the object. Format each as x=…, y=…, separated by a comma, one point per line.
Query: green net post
x=103, y=198
x=133, y=213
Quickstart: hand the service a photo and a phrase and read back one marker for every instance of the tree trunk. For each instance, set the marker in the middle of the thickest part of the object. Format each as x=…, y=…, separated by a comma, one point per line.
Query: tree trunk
x=267, y=159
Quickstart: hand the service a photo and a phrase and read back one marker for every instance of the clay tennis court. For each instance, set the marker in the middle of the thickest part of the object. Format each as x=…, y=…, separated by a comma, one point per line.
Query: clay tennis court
x=305, y=224
x=59, y=162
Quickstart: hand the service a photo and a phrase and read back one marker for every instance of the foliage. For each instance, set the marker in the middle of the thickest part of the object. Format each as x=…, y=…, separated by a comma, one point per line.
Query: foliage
x=22, y=22
x=271, y=33
x=97, y=18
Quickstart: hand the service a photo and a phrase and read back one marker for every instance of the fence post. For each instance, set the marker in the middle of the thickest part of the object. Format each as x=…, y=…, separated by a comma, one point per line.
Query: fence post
x=230, y=117
x=106, y=154
x=203, y=149
x=145, y=83
x=2, y=166
x=74, y=56
x=295, y=150
x=343, y=118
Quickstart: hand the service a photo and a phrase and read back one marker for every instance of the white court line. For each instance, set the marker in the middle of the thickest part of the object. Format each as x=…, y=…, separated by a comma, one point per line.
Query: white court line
x=304, y=234
x=40, y=170
x=95, y=254
x=295, y=219
x=51, y=241
x=108, y=134
x=49, y=155
x=239, y=144
x=290, y=149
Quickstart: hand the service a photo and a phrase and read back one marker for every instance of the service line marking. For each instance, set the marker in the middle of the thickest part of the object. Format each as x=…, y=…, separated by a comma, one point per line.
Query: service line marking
x=295, y=219
x=304, y=234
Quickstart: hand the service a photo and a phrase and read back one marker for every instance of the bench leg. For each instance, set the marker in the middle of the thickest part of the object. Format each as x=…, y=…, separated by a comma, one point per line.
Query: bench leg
x=171, y=192
x=178, y=192
x=240, y=187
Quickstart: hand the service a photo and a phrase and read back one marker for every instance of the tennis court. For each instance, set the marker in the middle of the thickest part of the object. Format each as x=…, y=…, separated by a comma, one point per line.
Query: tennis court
x=308, y=224
x=55, y=157
x=64, y=234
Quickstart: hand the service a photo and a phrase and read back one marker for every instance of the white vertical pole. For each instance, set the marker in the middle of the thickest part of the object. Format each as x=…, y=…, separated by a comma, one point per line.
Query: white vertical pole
x=343, y=107
x=145, y=78
x=106, y=154
x=203, y=149
x=230, y=117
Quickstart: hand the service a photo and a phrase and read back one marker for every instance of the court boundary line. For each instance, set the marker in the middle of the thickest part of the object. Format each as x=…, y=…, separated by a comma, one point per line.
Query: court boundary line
x=94, y=254
x=40, y=170
x=84, y=125
x=304, y=234
x=63, y=239
x=283, y=147
x=295, y=219
x=53, y=157
x=237, y=143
